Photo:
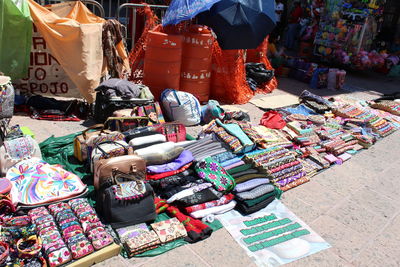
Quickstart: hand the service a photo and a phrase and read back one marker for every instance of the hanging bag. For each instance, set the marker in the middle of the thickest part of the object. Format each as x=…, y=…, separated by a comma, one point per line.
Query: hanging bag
x=6, y=98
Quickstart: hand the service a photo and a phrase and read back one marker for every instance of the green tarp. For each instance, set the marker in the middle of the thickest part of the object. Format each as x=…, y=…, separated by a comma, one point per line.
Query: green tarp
x=15, y=38
x=60, y=150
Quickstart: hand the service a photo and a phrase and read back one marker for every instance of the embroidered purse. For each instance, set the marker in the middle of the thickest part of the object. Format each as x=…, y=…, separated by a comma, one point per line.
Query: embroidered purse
x=127, y=203
x=169, y=230
x=141, y=243
x=16, y=150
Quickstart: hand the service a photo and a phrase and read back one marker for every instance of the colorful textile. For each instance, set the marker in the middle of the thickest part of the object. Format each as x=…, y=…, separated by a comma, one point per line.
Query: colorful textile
x=235, y=130
x=248, y=129
x=211, y=171
x=245, y=210
x=286, y=181
x=205, y=195
x=166, y=174
x=232, y=141
x=224, y=156
x=249, y=171
x=214, y=210
x=189, y=191
x=234, y=165
x=169, y=230
x=295, y=183
x=195, y=229
x=240, y=168
x=248, y=177
x=230, y=161
x=184, y=158
x=36, y=182
x=248, y=185
x=255, y=192
x=251, y=202
x=223, y=200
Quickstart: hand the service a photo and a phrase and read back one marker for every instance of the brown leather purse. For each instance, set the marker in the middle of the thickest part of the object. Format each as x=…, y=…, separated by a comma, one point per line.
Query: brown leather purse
x=80, y=142
x=128, y=164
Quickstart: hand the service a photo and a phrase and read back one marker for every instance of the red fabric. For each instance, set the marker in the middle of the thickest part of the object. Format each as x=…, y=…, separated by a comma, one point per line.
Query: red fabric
x=273, y=120
x=296, y=15
x=166, y=174
x=213, y=203
x=196, y=229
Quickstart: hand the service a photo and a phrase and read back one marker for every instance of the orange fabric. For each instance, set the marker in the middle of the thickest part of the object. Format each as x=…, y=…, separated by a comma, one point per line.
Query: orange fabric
x=75, y=41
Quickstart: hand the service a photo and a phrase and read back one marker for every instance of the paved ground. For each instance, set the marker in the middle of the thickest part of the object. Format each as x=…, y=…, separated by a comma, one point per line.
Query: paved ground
x=353, y=206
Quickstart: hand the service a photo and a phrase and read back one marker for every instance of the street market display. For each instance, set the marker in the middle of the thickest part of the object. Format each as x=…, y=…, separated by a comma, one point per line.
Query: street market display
x=146, y=187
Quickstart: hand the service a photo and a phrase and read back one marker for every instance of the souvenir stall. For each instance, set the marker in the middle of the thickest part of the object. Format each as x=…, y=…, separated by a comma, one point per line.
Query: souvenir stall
x=347, y=31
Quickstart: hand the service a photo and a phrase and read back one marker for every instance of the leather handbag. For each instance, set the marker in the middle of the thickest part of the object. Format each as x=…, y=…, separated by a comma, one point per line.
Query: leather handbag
x=151, y=111
x=128, y=164
x=16, y=150
x=122, y=124
x=80, y=142
x=108, y=149
x=174, y=131
x=128, y=201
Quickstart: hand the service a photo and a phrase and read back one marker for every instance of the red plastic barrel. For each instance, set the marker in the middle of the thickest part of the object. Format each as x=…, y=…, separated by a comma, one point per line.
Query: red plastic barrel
x=162, y=62
x=196, y=62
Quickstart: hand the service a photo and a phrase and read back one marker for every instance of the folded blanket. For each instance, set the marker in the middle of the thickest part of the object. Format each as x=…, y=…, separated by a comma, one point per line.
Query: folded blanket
x=199, y=197
x=249, y=171
x=256, y=192
x=245, y=210
x=248, y=177
x=295, y=183
x=160, y=153
x=240, y=168
x=144, y=141
x=214, y=210
x=248, y=185
x=188, y=192
x=234, y=165
x=166, y=174
x=223, y=200
x=230, y=161
x=172, y=190
x=184, y=158
x=252, y=202
x=224, y=156
x=173, y=180
x=286, y=181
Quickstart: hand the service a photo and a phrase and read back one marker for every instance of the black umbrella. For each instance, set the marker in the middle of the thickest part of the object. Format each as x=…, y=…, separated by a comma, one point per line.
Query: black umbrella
x=240, y=24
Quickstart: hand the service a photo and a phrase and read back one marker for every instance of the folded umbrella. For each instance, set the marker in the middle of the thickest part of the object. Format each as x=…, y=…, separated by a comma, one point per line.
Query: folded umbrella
x=240, y=24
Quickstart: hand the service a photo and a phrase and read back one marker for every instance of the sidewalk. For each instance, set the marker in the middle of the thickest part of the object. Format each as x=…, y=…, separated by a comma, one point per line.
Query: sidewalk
x=353, y=206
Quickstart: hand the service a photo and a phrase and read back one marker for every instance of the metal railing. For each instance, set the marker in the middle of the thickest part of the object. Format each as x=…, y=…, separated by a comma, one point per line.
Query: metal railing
x=91, y=4
x=130, y=19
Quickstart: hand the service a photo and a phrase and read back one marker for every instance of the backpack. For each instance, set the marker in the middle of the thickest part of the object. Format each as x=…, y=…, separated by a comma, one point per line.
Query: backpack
x=181, y=106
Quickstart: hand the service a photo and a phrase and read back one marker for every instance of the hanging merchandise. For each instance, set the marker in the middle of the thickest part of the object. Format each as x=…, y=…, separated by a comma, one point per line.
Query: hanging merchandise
x=6, y=98
x=15, y=38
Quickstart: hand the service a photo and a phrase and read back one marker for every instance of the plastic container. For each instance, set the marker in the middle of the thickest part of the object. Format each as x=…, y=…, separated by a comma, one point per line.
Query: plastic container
x=162, y=62
x=196, y=62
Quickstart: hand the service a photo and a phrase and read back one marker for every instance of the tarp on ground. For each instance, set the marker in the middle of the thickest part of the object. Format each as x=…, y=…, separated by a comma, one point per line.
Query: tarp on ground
x=15, y=38
x=60, y=150
x=75, y=40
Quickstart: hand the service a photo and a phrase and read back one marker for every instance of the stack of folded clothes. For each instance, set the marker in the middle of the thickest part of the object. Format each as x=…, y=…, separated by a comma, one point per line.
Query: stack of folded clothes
x=254, y=195
x=205, y=193
x=204, y=147
x=280, y=165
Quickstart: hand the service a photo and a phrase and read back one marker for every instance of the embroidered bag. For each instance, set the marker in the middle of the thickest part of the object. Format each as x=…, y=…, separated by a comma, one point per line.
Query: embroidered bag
x=6, y=98
x=15, y=150
x=128, y=201
x=35, y=182
x=211, y=171
x=169, y=230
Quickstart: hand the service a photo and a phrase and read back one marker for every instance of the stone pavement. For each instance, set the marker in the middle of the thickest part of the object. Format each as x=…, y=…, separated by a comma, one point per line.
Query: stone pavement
x=352, y=206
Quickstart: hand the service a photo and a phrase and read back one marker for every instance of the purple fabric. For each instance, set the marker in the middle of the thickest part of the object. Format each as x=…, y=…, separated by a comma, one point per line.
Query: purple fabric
x=248, y=185
x=285, y=181
x=230, y=161
x=234, y=165
x=184, y=158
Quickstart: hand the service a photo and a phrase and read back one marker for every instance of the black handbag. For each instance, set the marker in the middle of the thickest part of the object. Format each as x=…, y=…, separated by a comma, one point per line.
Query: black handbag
x=105, y=106
x=127, y=201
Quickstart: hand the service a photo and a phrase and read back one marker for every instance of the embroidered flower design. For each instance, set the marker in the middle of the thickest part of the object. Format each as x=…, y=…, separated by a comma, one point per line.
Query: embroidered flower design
x=203, y=165
x=202, y=175
x=214, y=166
x=223, y=181
x=212, y=176
x=223, y=171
